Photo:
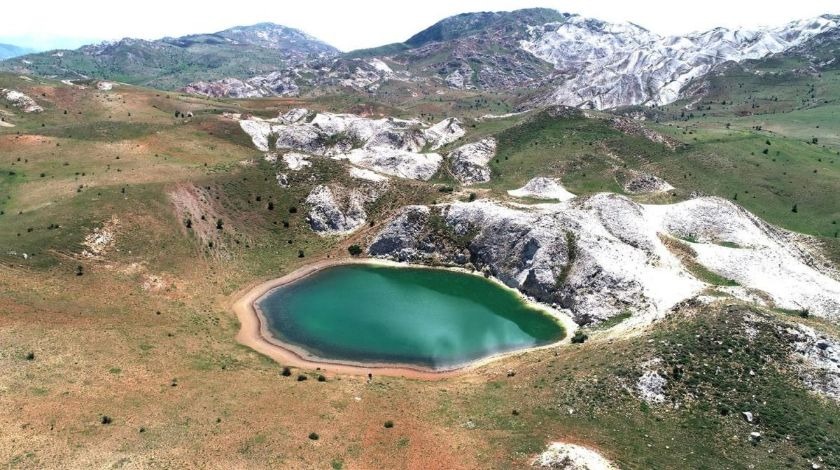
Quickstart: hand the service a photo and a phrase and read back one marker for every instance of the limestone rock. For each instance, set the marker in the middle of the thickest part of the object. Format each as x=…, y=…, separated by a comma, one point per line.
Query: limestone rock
x=469, y=163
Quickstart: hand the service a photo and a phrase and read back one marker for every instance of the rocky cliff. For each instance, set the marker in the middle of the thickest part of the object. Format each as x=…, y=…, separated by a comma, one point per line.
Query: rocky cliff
x=605, y=255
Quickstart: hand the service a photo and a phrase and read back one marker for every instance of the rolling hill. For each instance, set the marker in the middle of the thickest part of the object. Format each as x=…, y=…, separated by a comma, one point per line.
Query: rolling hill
x=175, y=62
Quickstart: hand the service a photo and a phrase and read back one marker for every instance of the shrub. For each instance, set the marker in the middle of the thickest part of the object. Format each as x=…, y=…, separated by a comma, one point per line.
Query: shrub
x=321, y=378
x=30, y=356
x=579, y=337
x=354, y=250
x=106, y=419
x=314, y=436
x=286, y=372
x=302, y=378
x=220, y=224
x=389, y=424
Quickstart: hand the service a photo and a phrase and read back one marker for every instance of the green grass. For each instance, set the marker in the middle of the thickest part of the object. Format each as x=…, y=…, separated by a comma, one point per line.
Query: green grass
x=8, y=178
x=613, y=321
x=588, y=395
x=549, y=146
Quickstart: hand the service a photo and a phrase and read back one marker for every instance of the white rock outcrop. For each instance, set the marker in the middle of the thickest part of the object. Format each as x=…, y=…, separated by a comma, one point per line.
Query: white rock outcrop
x=543, y=188
x=820, y=360
x=296, y=161
x=605, y=65
x=651, y=387
x=21, y=101
x=367, y=175
x=603, y=255
x=561, y=455
x=469, y=163
x=758, y=256
x=391, y=146
x=336, y=210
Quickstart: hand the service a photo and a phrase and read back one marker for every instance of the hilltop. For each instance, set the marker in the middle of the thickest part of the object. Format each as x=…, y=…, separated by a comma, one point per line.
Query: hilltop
x=175, y=62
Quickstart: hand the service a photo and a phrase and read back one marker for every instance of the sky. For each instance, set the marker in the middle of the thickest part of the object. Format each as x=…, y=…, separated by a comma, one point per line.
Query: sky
x=357, y=24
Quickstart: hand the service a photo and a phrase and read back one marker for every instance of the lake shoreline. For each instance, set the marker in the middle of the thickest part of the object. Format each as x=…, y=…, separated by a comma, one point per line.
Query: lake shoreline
x=254, y=331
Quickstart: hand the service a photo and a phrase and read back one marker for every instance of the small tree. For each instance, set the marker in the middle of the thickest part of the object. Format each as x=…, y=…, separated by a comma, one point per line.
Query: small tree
x=354, y=250
x=795, y=209
x=220, y=224
x=80, y=270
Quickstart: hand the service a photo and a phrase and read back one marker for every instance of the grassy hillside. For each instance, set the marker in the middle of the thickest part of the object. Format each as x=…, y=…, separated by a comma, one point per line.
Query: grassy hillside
x=138, y=329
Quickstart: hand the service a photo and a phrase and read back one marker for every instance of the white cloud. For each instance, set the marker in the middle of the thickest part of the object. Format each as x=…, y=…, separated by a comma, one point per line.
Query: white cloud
x=368, y=23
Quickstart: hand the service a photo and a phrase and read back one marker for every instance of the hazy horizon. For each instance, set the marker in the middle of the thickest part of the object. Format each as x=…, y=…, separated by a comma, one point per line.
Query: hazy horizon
x=350, y=26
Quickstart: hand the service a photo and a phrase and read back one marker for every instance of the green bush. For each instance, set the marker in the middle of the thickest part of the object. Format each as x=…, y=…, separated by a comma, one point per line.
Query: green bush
x=579, y=337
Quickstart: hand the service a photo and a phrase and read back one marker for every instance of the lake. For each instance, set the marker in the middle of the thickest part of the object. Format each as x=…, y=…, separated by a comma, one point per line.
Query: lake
x=432, y=318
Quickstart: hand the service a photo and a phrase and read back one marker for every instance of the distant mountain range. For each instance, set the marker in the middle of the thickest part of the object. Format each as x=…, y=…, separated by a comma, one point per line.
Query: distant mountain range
x=7, y=51
x=174, y=62
x=545, y=56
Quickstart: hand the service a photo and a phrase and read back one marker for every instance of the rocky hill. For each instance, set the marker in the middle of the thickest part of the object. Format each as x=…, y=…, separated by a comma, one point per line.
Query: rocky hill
x=175, y=62
x=539, y=55
x=558, y=58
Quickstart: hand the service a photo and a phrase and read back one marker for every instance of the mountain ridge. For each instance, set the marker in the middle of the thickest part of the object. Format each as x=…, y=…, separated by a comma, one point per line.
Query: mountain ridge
x=8, y=51
x=174, y=62
x=543, y=55
x=570, y=60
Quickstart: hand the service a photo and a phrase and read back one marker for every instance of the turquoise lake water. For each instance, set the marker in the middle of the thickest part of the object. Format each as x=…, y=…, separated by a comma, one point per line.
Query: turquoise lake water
x=432, y=318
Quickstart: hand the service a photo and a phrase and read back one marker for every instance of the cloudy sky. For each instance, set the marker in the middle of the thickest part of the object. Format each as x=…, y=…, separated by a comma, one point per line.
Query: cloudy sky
x=360, y=23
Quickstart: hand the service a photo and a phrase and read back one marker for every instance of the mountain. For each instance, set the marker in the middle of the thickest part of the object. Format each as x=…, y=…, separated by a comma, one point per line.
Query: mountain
x=466, y=51
x=533, y=56
x=8, y=51
x=555, y=58
x=605, y=65
x=175, y=62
